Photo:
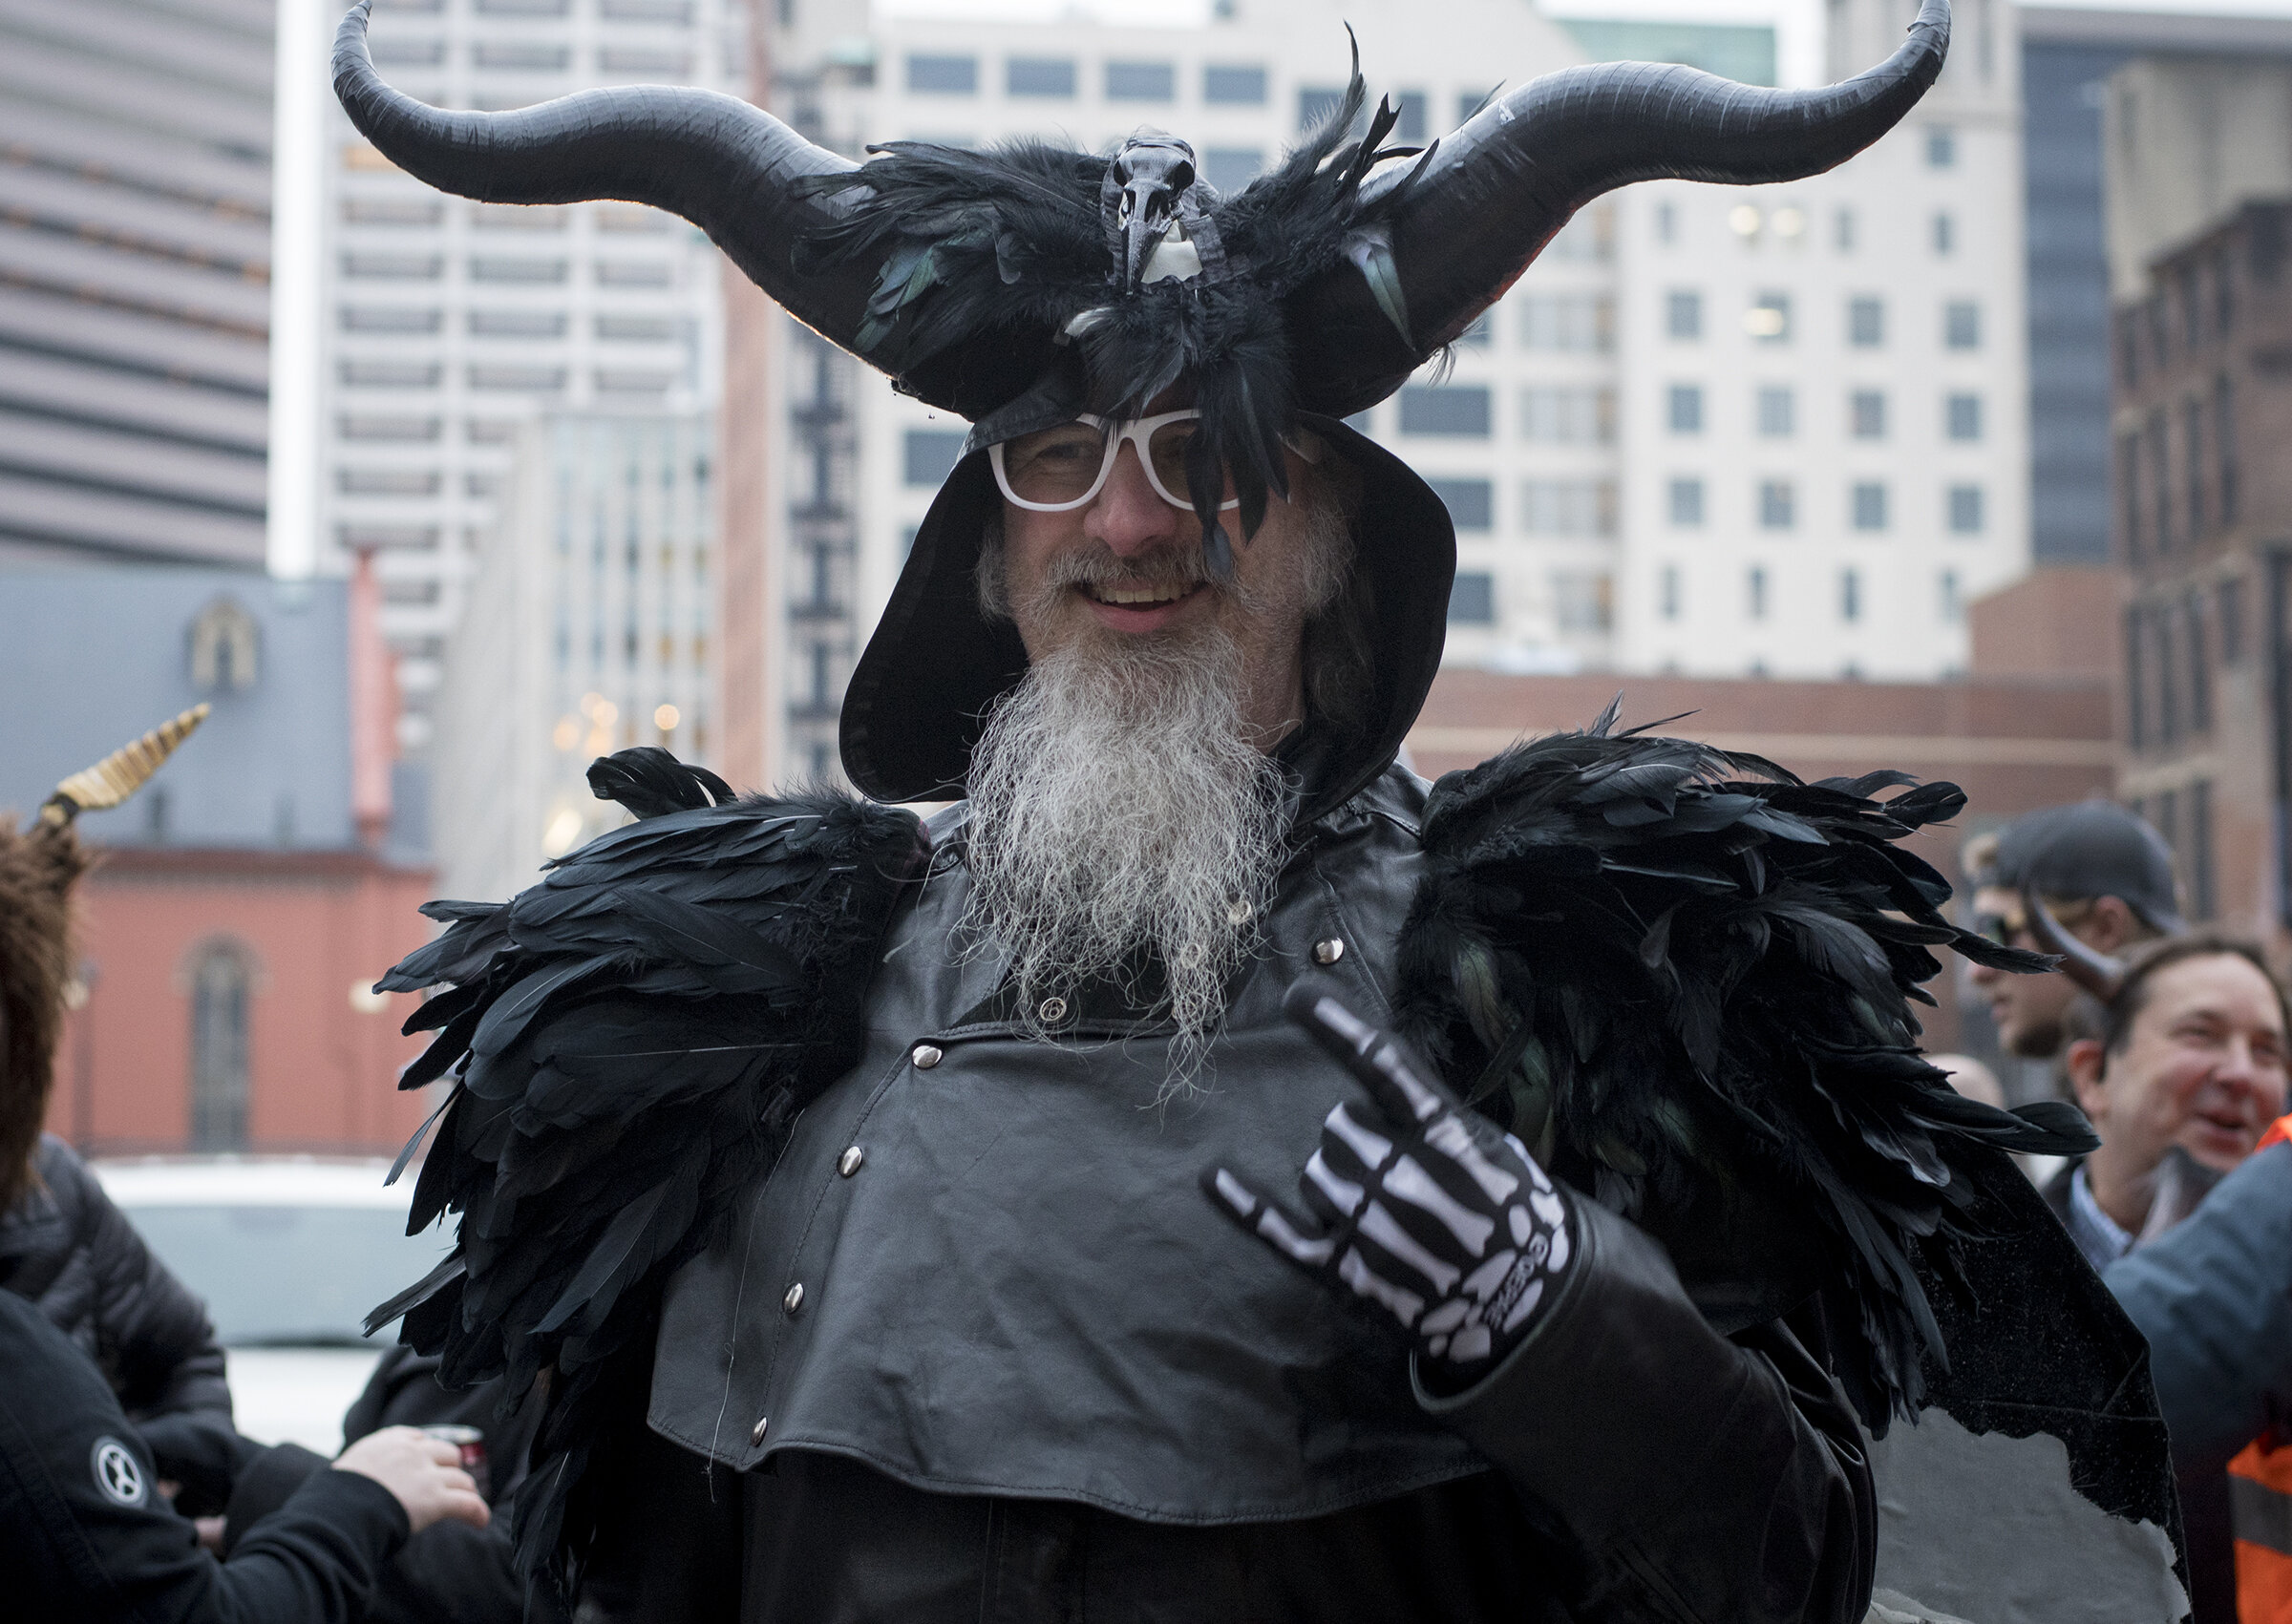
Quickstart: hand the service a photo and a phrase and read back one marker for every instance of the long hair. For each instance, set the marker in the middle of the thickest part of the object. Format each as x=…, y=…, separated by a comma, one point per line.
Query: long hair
x=36, y=873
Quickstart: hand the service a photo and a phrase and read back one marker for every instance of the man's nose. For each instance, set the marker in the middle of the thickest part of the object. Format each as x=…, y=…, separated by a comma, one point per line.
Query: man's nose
x=1128, y=517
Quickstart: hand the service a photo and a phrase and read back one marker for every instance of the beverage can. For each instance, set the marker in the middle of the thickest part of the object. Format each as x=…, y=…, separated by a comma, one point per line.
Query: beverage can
x=470, y=1441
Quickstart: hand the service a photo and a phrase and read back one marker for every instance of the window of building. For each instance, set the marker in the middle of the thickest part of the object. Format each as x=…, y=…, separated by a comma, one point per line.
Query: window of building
x=2224, y=446
x=1777, y=411
x=644, y=59
x=1778, y=504
x=1961, y=325
x=1568, y=416
x=523, y=55
x=1754, y=592
x=1769, y=318
x=1849, y=595
x=224, y=641
x=1414, y=108
x=2191, y=307
x=1686, y=498
x=1471, y=503
x=517, y=380
x=1686, y=409
x=1480, y=334
x=1842, y=230
x=517, y=323
x=2200, y=669
x=397, y=319
x=387, y=481
x=1867, y=502
x=221, y=977
x=1667, y=593
x=635, y=329
x=928, y=455
x=393, y=211
x=2192, y=421
x=1962, y=416
x=1453, y=409
x=1317, y=105
x=1568, y=507
x=362, y=374
x=1944, y=233
x=2136, y=691
x=1965, y=510
x=2160, y=481
x=1574, y=323
x=1469, y=104
x=2128, y=348
x=1229, y=169
x=2228, y=613
x=634, y=273
x=1039, y=75
x=1683, y=313
x=1865, y=321
x=1949, y=598
x=1866, y=414
x=1233, y=85
x=1472, y=598
x=360, y=425
x=1667, y=223
x=1142, y=81
x=942, y=75
x=533, y=272
x=1942, y=147
x=392, y=267
x=2203, y=900
x=2129, y=487
x=1583, y=601
x=2225, y=293
x=409, y=52
x=1589, y=239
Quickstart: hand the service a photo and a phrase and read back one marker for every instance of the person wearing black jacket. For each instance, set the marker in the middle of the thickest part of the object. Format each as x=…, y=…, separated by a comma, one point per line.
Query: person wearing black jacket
x=74, y=1255
x=85, y=1534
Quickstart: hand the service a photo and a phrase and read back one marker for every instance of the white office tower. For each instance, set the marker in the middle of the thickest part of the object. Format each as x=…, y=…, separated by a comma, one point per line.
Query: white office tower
x=1519, y=435
x=448, y=324
x=588, y=626
x=1824, y=389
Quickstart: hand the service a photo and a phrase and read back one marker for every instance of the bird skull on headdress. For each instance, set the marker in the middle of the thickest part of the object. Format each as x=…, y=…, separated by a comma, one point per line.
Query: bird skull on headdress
x=37, y=870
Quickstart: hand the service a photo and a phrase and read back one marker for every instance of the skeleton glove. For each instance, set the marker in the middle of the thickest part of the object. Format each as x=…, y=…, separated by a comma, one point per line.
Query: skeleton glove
x=1419, y=1204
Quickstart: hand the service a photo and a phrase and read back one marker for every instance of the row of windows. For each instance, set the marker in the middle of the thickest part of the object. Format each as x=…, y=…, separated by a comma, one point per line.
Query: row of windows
x=1789, y=223
x=1769, y=319
x=2194, y=306
x=1774, y=410
x=614, y=328
x=611, y=11
x=2184, y=817
x=1851, y=599
x=400, y=427
x=2159, y=513
x=2169, y=653
x=1583, y=601
x=531, y=57
x=1775, y=505
x=375, y=374
x=392, y=210
x=365, y=266
x=1223, y=85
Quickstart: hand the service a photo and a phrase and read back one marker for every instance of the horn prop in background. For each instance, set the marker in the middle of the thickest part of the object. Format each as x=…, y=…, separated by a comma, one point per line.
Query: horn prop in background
x=121, y=773
x=2095, y=971
x=1493, y=193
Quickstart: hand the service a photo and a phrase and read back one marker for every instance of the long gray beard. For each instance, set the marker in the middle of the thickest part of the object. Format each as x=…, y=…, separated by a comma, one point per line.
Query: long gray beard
x=1116, y=805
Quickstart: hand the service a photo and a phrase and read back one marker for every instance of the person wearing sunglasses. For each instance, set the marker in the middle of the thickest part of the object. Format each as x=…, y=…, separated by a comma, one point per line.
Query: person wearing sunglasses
x=1202, y=1172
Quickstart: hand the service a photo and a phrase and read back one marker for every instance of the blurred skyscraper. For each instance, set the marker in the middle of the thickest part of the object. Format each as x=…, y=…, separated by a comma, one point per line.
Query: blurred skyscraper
x=587, y=627
x=134, y=269
x=448, y=324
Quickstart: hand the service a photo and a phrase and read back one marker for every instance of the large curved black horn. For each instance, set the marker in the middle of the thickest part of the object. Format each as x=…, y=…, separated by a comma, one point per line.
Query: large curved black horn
x=718, y=161
x=1493, y=193
x=2095, y=971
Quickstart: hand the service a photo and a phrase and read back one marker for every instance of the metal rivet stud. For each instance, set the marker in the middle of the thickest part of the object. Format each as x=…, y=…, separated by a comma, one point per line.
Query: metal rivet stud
x=755, y=1433
x=1051, y=1011
x=926, y=1056
x=794, y=1299
x=1238, y=912
x=1328, y=951
x=849, y=1162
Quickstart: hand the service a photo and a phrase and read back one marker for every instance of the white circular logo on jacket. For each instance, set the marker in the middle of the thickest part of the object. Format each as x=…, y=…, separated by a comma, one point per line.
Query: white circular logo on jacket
x=116, y=1473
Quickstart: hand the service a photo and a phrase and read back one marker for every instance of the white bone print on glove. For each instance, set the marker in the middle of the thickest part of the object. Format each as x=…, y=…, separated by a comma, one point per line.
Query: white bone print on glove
x=1419, y=1204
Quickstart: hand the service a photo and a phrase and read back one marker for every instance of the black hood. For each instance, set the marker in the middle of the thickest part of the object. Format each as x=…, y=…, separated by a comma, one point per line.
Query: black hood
x=936, y=663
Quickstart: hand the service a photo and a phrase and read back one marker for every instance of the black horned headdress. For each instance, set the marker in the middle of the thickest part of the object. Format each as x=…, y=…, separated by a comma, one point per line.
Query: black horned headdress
x=1017, y=286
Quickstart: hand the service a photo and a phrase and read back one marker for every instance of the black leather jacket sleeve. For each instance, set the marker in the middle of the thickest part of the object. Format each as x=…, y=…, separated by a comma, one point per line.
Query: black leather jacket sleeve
x=1705, y=1480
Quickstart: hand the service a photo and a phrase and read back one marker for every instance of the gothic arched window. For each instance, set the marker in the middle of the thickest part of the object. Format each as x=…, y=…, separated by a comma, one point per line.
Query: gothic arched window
x=223, y=645
x=222, y=988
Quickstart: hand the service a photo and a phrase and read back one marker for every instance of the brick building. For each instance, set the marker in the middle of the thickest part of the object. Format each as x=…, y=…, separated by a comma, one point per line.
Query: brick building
x=249, y=896
x=2201, y=278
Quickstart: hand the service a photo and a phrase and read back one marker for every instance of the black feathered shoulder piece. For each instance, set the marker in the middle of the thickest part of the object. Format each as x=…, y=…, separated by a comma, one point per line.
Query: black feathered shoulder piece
x=1684, y=977
x=626, y=1045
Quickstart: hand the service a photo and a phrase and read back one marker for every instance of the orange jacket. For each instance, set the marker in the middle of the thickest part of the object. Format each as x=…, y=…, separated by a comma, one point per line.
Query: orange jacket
x=2259, y=1491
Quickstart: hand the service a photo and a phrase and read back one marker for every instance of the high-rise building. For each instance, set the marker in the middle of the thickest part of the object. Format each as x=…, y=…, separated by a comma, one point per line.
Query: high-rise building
x=134, y=267
x=447, y=323
x=589, y=627
x=1822, y=429
x=2068, y=54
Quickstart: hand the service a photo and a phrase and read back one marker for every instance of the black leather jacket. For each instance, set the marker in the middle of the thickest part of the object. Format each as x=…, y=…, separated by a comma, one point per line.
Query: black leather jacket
x=75, y=1256
x=1031, y=1375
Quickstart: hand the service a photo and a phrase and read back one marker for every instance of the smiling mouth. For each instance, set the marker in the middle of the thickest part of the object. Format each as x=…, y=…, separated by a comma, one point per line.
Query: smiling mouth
x=1137, y=597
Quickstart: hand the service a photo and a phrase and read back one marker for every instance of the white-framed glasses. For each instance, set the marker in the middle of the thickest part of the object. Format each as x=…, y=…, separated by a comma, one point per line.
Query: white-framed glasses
x=1057, y=470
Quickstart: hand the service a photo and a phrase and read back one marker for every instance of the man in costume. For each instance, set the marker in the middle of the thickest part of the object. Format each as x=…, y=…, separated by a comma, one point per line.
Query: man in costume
x=1037, y=1214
